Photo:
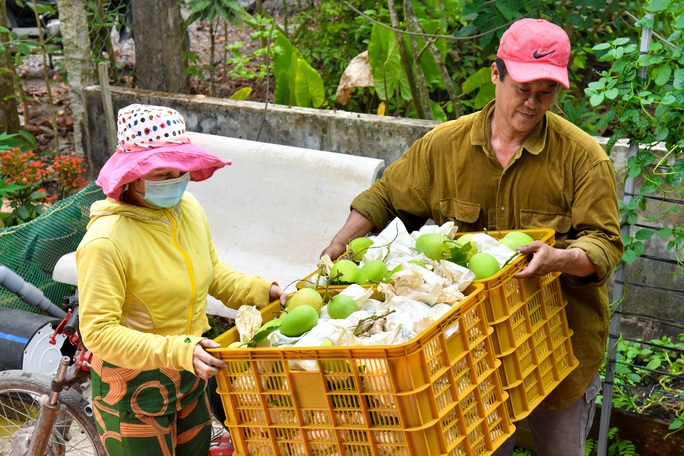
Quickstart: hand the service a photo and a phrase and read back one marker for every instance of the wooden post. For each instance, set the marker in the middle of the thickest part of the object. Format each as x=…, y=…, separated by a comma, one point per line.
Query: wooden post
x=110, y=121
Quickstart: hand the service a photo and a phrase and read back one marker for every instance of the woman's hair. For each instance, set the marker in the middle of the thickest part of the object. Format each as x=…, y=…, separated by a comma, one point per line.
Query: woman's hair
x=501, y=66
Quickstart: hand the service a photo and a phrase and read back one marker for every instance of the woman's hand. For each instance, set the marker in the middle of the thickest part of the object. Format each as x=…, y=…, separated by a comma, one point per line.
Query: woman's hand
x=206, y=366
x=275, y=293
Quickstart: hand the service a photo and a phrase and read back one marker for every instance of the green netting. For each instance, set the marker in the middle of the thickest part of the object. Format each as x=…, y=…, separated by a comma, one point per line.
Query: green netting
x=32, y=249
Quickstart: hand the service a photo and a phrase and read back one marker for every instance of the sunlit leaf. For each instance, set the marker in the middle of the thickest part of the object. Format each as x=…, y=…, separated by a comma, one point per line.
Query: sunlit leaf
x=657, y=5
x=385, y=61
x=241, y=94
x=309, y=90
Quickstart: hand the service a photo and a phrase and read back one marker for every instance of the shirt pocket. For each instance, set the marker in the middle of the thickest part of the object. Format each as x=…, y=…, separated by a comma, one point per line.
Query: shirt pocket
x=560, y=222
x=464, y=214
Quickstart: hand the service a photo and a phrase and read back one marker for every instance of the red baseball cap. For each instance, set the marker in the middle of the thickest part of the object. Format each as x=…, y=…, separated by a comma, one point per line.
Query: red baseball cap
x=534, y=49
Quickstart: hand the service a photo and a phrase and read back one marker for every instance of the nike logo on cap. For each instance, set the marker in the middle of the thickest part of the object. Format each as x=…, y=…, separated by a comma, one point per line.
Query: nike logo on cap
x=538, y=55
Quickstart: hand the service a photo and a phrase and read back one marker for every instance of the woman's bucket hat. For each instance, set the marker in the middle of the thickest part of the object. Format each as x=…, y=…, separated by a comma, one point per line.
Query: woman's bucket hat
x=149, y=138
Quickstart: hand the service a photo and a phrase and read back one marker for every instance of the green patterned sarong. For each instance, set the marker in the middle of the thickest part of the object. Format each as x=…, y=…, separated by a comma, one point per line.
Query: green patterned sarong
x=155, y=412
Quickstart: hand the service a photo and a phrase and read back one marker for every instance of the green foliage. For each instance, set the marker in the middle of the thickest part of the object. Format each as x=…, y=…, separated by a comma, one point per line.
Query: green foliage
x=210, y=10
x=214, y=12
x=656, y=368
x=339, y=35
x=481, y=82
x=616, y=447
x=297, y=83
x=644, y=102
x=385, y=61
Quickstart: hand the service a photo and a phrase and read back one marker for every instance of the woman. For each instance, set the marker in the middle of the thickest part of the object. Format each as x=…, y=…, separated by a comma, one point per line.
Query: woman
x=145, y=268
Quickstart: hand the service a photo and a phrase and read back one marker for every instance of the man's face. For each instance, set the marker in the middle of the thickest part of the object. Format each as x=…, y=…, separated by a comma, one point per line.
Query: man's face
x=522, y=105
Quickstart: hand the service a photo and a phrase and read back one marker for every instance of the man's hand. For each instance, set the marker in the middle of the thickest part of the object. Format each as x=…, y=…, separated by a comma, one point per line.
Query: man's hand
x=206, y=366
x=546, y=259
x=334, y=250
x=356, y=226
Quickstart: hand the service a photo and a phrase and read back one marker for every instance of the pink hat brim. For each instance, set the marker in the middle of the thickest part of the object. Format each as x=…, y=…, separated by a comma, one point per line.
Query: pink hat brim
x=532, y=71
x=122, y=168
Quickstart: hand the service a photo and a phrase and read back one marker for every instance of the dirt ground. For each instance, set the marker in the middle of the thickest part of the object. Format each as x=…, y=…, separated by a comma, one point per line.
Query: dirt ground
x=42, y=118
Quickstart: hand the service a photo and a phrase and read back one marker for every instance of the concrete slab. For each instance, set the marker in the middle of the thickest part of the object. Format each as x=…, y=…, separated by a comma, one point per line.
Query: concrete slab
x=276, y=207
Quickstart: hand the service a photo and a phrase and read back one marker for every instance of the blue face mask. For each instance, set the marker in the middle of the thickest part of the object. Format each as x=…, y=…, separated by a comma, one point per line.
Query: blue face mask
x=166, y=193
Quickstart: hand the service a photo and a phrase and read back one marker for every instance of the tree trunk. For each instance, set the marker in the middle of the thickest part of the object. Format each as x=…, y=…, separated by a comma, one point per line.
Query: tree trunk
x=9, y=119
x=158, y=50
x=78, y=61
x=413, y=26
x=405, y=61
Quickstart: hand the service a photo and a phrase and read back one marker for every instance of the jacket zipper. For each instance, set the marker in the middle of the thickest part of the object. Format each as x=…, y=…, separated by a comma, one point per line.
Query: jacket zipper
x=191, y=273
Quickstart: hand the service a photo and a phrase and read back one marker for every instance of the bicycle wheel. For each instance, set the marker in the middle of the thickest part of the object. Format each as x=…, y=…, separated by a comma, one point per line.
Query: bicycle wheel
x=74, y=433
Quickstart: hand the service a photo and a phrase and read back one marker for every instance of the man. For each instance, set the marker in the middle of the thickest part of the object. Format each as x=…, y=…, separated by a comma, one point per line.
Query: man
x=514, y=165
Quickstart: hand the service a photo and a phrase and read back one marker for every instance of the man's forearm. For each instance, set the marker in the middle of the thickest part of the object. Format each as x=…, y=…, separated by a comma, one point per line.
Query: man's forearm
x=356, y=226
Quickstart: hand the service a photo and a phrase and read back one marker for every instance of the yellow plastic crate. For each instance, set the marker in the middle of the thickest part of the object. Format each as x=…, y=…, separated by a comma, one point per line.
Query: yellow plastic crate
x=504, y=293
x=531, y=336
x=526, y=317
x=538, y=365
x=438, y=394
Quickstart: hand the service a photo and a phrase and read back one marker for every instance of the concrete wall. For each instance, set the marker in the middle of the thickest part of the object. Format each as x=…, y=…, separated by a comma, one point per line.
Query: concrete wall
x=332, y=131
x=655, y=291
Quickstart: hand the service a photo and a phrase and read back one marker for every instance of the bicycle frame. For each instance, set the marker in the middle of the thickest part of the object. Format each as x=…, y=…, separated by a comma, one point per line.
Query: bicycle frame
x=72, y=371
x=68, y=375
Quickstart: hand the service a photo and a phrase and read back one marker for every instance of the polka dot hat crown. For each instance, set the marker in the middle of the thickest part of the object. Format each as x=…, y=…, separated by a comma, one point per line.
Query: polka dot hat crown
x=150, y=138
x=145, y=126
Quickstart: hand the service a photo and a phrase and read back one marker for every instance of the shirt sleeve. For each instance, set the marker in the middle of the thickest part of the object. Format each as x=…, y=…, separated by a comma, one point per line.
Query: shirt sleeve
x=595, y=218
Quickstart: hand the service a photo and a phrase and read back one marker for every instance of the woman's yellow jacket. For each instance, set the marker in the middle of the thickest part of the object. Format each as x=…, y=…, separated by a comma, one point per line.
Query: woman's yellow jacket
x=143, y=279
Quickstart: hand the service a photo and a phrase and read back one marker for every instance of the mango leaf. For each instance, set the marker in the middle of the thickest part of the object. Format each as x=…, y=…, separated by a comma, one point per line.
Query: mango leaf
x=309, y=90
x=459, y=253
x=262, y=334
x=385, y=61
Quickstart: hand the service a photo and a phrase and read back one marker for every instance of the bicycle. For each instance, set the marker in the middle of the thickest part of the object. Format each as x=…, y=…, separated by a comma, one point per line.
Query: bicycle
x=44, y=416
x=51, y=416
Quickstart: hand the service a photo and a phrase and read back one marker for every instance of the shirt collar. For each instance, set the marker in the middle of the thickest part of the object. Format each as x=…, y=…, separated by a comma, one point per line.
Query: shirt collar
x=480, y=133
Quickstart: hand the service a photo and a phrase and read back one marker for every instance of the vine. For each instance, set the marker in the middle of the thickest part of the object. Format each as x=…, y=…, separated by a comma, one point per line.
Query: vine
x=642, y=93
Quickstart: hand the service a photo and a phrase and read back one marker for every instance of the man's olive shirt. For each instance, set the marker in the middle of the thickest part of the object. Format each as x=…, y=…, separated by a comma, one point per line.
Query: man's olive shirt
x=560, y=178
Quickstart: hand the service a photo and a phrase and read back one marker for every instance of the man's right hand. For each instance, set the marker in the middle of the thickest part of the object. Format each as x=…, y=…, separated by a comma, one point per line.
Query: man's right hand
x=356, y=226
x=334, y=250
